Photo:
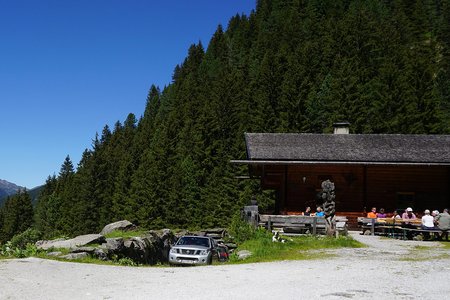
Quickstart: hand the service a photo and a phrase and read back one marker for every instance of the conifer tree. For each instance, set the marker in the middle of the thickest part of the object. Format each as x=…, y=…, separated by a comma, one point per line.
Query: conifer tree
x=16, y=215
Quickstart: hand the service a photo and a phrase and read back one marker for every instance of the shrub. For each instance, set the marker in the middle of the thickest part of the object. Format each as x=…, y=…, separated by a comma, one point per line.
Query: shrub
x=240, y=230
x=29, y=236
x=127, y=262
x=31, y=250
x=6, y=249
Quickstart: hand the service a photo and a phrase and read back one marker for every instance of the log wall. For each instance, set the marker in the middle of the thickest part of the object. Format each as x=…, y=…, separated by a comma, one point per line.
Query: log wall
x=358, y=188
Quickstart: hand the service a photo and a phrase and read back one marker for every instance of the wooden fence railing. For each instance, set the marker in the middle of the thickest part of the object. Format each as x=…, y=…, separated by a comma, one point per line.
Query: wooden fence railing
x=299, y=224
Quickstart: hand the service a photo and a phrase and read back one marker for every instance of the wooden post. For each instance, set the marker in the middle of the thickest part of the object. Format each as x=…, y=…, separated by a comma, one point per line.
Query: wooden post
x=373, y=227
x=364, y=182
x=314, y=225
x=269, y=224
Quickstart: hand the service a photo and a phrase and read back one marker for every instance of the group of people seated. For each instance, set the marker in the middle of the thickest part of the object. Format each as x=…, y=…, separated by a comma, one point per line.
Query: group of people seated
x=374, y=214
x=319, y=212
x=430, y=220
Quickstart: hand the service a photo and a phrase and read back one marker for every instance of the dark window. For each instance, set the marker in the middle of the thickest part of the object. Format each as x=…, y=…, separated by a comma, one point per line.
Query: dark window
x=406, y=199
x=324, y=177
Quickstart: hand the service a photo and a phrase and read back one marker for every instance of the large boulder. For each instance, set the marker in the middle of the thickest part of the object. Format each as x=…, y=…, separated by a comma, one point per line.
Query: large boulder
x=76, y=242
x=244, y=254
x=100, y=254
x=139, y=249
x=167, y=240
x=151, y=248
x=113, y=245
x=119, y=225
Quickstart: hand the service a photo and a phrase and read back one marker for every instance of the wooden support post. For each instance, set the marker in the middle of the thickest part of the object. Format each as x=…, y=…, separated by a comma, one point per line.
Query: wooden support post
x=269, y=224
x=364, y=182
x=314, y=225
x=372, y=229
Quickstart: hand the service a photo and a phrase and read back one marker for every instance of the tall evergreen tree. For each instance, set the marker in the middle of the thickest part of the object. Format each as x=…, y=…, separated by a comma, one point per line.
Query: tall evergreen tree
x=16, y=215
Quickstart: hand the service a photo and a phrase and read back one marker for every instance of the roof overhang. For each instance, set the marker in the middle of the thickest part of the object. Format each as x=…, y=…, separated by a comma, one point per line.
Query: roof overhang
x=306, y=162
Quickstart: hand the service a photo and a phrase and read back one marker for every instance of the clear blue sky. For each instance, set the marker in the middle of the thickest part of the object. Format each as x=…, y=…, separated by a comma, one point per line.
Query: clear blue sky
x=68, y=68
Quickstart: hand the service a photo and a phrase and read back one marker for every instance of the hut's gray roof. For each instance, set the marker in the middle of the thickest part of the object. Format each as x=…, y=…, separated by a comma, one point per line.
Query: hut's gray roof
x=358, y=148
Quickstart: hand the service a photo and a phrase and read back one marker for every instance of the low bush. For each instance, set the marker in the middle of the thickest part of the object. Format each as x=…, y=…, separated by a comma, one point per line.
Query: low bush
x=241, y=230
x=29, y=236
x=125, y=261
x=7, y=250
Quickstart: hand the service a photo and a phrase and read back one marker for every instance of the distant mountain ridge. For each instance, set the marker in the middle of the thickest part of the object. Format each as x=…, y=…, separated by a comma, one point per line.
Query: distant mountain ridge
x=7, y=188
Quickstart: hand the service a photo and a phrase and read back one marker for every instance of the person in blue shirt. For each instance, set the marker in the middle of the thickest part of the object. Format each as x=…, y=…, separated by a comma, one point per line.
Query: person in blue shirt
x=319, y=212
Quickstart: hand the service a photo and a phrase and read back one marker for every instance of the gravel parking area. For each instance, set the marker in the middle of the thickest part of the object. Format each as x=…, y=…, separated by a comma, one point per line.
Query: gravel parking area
x=386, y=268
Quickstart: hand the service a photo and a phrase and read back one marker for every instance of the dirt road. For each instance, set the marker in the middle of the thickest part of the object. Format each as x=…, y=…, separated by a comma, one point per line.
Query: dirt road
x=386, y=269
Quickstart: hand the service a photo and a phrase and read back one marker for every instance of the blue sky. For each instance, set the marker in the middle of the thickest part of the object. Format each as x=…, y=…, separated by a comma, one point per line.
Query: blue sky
x=68, y=68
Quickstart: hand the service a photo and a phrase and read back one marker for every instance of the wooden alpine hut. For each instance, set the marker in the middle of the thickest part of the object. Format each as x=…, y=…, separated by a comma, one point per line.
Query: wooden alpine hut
x=393, y=171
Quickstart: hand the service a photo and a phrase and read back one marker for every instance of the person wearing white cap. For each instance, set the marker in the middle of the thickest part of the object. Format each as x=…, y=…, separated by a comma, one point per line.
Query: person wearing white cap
x=434, y=214
x=427, y=220
x=408, y=214
x=427, y=223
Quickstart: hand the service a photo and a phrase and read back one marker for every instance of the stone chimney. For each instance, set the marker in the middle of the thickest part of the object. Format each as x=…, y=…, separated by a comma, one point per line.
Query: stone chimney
x=341, y=128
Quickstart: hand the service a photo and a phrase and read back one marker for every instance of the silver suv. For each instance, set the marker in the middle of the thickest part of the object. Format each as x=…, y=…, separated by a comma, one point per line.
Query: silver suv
x=193, y=250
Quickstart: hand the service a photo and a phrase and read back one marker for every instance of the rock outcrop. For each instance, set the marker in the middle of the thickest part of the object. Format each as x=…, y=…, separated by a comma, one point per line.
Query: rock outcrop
x=74, y=243
x=123, y=225
x=150, y=248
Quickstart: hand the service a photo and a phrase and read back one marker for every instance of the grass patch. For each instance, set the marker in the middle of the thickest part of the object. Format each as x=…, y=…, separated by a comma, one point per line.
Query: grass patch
x=295, y=248
x=445, y=245
x=125, y=234
x=414, y=258
x=421, y=248
x=419, y=258
x=425, y=253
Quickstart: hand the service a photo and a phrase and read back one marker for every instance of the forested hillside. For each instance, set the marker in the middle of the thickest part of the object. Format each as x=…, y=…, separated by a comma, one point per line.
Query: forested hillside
x=290, y=66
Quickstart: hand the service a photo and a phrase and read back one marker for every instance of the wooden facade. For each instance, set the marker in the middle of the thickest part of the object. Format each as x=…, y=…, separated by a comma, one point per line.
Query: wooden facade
x=359, y=187
x=389, y=171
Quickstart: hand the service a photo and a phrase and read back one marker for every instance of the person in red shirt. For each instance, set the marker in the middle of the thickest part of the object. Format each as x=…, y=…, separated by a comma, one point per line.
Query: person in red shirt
x=373, y=213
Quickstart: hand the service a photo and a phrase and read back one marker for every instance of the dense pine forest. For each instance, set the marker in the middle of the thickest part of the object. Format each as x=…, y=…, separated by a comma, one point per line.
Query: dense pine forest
x=290, y=66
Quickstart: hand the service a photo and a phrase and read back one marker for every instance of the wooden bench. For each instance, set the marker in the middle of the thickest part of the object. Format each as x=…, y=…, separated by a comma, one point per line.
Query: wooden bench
x=378, y=225
x=301, y=224
x=421, y=231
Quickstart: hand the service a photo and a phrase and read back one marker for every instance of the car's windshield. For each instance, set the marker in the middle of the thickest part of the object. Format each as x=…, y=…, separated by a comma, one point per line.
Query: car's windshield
x=193, y=241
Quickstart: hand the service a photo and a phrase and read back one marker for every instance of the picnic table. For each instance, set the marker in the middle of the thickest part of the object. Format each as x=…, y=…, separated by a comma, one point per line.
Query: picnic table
x=399, y=228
